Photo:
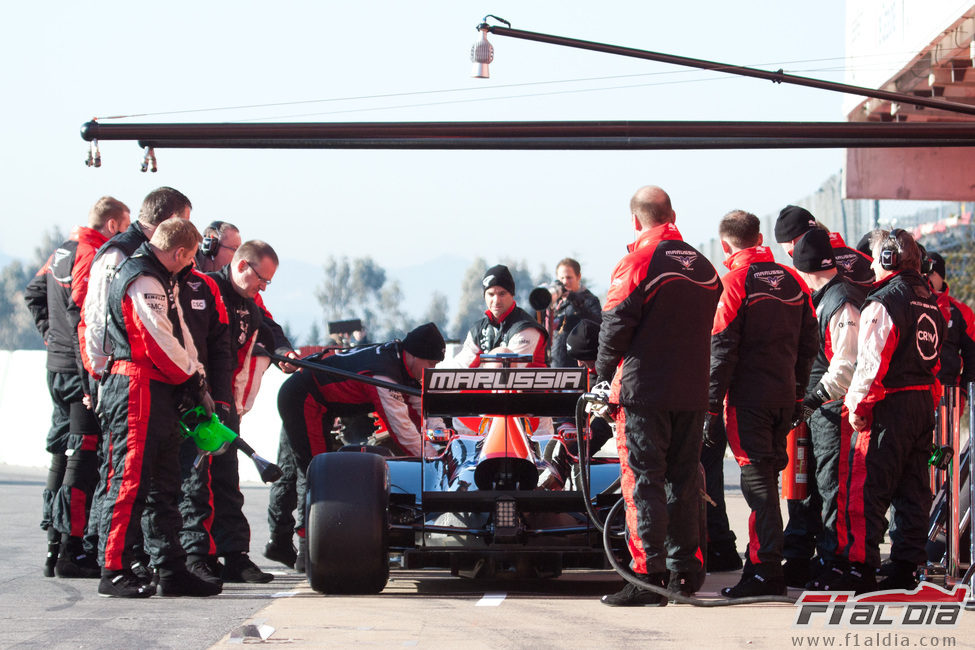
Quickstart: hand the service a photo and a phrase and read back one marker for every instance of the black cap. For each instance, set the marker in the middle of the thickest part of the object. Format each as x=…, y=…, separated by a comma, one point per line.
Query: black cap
x=864, y=245
x=792, y=222
x=582, y=343
x=813, y=252
x=425, y=342
x=498, y=276
x=938, y=265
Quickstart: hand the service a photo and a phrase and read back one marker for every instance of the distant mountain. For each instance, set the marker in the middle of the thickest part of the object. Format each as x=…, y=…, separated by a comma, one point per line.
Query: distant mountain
x=418, y=282
x=291, y=298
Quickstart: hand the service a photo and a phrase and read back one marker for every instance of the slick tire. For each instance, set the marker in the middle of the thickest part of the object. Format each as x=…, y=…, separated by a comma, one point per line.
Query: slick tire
x=347, y=523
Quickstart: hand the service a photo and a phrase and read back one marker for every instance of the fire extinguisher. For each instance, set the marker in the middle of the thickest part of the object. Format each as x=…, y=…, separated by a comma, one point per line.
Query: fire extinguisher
x=795, y=477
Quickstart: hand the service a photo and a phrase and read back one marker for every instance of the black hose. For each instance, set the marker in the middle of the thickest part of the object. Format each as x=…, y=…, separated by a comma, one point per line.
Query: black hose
x=584, y=465
x=675, y=596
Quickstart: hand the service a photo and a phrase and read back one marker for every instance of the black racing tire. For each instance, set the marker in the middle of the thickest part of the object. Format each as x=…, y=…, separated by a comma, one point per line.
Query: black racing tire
x=347, y=525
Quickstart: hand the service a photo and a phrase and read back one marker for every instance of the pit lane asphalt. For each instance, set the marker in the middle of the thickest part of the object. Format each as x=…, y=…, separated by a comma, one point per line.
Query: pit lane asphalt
x=427, y=608
x=50, y=613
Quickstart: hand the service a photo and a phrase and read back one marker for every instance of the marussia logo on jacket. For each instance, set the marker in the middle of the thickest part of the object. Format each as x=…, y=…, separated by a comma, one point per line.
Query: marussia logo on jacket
x=685, y=258
x=771, y=278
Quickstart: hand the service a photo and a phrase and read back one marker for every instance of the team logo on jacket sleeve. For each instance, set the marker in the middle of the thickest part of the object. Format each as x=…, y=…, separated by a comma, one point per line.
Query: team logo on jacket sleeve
x=927, y=338
x=155, y=301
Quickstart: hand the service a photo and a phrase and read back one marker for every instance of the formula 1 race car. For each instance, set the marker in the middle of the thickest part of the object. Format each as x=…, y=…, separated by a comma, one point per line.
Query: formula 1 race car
x=474, y=504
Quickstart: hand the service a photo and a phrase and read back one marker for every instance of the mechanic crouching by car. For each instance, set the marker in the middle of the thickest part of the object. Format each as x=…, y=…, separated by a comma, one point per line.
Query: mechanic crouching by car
x=654, y=345
x=310, y=400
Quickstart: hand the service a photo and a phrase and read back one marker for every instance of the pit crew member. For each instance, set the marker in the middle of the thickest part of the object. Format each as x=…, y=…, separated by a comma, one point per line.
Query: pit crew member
x=762, y=348
x=505, y=326
x=890, y=404
x=653, y=345
x=250, y=271
x=55, y=297
x=153, y=373
x=812, y=521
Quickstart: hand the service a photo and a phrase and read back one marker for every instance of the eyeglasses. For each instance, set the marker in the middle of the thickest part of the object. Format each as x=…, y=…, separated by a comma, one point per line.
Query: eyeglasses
x=259, y=276
x=232, y=249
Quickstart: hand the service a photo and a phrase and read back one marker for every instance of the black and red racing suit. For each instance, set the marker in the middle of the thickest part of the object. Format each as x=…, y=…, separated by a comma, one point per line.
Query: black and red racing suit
x=152, y=354
x=653, y=343
x=309, y=401
x=894, y=389
x=55, y=298
x=763, y=344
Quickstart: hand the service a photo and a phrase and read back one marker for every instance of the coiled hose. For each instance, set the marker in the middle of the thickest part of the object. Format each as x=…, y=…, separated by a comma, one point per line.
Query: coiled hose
x=608, y=535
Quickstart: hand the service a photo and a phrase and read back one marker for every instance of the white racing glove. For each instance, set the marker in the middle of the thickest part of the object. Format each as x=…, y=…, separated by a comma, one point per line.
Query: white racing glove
x=597, y=402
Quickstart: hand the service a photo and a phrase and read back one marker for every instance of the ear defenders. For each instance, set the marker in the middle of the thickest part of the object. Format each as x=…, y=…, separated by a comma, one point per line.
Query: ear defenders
x=890, y=254
x=210, y=245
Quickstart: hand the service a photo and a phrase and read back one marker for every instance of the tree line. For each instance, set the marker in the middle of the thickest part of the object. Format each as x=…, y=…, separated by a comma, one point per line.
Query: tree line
x=349, y=288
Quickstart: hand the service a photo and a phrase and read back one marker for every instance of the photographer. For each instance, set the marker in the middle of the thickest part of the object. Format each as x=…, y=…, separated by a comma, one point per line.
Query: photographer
x=572, y=303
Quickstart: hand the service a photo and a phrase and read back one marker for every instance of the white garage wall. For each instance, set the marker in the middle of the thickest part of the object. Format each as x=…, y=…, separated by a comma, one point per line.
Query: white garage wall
x=25, y=413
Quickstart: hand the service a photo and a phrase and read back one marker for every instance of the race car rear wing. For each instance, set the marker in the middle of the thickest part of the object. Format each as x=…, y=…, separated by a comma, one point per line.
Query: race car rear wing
x=543, y=392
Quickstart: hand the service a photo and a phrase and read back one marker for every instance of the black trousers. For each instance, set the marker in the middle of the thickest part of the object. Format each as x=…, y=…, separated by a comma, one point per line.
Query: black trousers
x=213, y=505
x=307, y=424
x=65, y=389
x=659, y=454
x=72, y=503
x=712, y=459
x=887, y=465
x=757, y=437
x=283, y=497
x=143, y=472
x=812, y=521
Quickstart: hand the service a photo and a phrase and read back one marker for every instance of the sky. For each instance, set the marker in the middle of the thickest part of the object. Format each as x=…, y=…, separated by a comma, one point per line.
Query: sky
x=391, y=61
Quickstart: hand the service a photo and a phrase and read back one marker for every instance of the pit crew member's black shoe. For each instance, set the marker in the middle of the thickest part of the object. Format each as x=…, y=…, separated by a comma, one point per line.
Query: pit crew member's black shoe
x=632, y=596
x=897, y=574
x=756, y=585
x=80, y=565
x=797, y=571
x=202, y=567
x=124, y=584
x=723, y=557
x=281, y=550
x=853, y=577
x=142, y=571
x=180, y=582
x=238, y=567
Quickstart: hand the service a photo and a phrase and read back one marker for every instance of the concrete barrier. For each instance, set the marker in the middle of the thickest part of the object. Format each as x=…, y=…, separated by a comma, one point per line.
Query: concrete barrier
x=25, y=413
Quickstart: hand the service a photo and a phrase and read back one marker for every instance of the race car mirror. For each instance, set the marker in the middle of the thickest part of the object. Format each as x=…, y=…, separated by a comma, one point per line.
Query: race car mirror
x=544, y=392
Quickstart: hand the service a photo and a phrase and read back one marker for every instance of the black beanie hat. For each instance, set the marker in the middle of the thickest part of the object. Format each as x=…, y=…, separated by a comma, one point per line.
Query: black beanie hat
x=938, y=265
x=813, y=252
x=425, y=342
x=582, y=343
x=792, y=222
x=864, y=245
x=498, y=276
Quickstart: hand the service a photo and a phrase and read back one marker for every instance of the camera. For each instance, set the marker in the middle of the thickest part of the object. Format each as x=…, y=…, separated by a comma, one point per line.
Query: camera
x=544, y=295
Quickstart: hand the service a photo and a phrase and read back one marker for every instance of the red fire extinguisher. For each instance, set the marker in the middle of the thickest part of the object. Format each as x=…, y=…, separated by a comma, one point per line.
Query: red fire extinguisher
x=795, y=477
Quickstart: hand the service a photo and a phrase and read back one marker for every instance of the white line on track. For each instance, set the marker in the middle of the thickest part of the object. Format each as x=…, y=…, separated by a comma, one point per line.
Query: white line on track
x=491, y=599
